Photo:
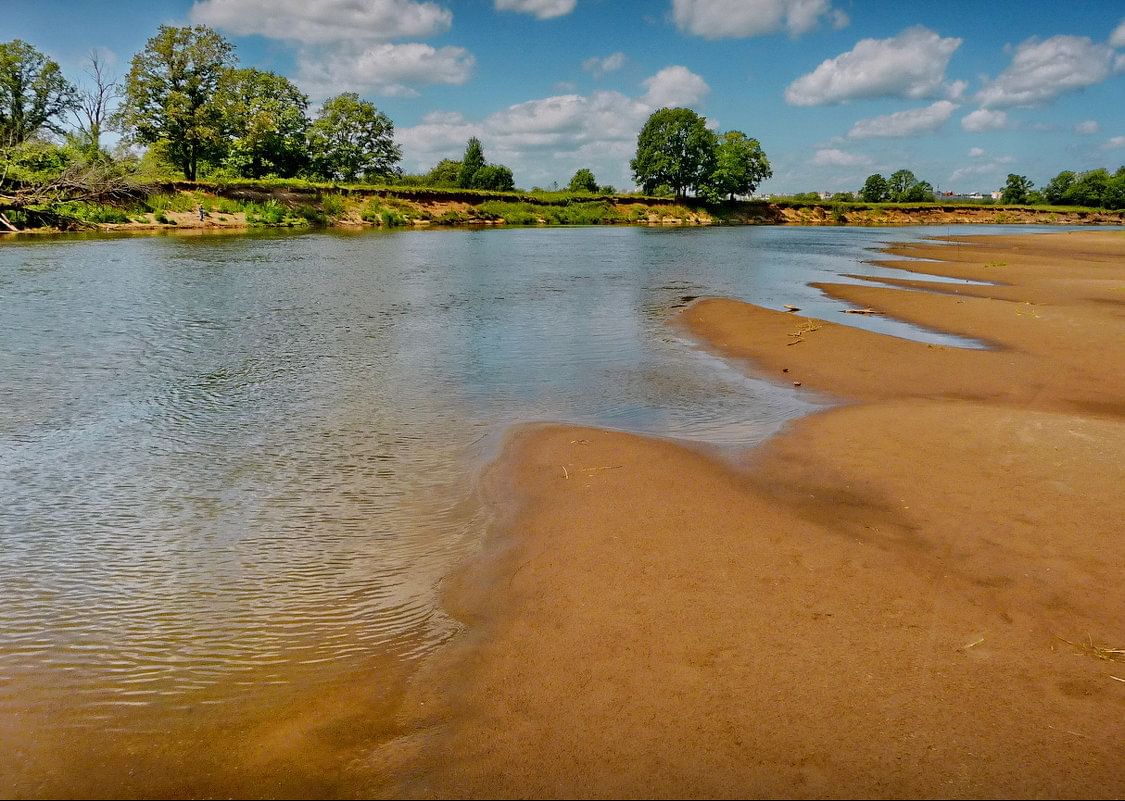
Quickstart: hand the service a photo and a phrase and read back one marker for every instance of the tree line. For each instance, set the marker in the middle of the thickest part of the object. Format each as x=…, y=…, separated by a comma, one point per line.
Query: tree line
x=197, y=111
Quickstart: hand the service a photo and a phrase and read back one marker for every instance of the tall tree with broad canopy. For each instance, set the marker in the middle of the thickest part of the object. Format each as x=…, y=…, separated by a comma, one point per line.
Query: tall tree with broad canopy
x=351, y=138
x=265, y=117
x=899, y=184
x=740, y=165
x=1016, y=189
x=583, y=181
x=875, y=189
x=676, y=148
x=34, y=95
x=171, y=94
x=472, y=161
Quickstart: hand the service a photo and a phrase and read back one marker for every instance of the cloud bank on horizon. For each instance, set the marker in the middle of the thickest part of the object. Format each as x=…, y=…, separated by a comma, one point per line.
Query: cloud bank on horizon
x=833, y=90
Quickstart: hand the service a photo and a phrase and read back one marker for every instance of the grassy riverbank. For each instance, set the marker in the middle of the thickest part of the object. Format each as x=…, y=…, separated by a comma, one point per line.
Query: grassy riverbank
x=298, y=203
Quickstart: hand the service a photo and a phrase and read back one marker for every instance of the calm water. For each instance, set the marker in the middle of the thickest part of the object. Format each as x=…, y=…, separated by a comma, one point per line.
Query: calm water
x=234, y=469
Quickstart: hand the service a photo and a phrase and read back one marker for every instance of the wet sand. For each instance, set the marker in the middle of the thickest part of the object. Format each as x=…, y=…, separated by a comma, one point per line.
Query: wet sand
x=917, y=592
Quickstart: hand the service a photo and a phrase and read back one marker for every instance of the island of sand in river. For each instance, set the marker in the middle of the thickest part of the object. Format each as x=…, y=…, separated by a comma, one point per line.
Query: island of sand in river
x=916, y=593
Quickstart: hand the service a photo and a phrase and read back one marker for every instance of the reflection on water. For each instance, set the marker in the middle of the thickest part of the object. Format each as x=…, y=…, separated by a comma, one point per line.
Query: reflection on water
x=240, y=463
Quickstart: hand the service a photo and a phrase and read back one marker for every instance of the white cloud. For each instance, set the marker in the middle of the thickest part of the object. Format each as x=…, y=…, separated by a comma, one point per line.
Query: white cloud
x=674, y=86
x=549, y=138
x=325, y=21
x=834, y=157
x=911, y=64
x=1088, y=127
x=732, y=19
x=1042, y=70
x=543, y=9
x=383, y=69
x=984, y=120
x=976, y=153
x=904, y=123
x=991, y=168
x=1115, y=143
x=601, y=66
x=1117, y=38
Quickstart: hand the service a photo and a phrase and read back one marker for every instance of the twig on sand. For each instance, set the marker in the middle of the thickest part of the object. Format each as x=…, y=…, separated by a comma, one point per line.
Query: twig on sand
x=799, y=334
x=861, y=311
x=591, y=470
x=1116, y=678
x=789, y=308
x=1090, y=648
x=970, y=645
x=565, y=473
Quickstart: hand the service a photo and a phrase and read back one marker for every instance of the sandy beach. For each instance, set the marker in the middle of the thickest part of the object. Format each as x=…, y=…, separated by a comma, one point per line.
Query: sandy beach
x=917, y=592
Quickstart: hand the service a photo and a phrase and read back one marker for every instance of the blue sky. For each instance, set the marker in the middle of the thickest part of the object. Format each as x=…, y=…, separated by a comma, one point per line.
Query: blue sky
x=960, y=92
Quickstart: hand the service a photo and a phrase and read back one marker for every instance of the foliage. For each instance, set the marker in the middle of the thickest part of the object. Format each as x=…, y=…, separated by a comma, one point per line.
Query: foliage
x=875, y=189
x=1016, y=189
x=917, y=192
x=445, y=173
x=34, y=95
x=171, y=94
x=577, y=213
x=583, y=181
x=265, y=116
x=472, y=161
x=493, y=176
x=1093, y=189
x=740, y=165
x=351, y=138
x=675, y=148
x=899, y=184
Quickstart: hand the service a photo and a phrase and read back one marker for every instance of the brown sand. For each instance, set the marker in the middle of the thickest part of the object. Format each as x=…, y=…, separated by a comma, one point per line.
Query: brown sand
x=914, y=596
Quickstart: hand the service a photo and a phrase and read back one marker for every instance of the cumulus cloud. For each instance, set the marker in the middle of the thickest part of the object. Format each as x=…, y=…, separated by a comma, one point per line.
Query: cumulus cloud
x=601, y=66
x=326, y=21
x=911, y=64
x=834, y=157
x=383, y=69
x=984, y=120
x=675, y=86
x=732, y=19
x=904, y=123
x=1116, y=143
x=549, y=138
x=1088, y=127
x=542, y=9
x=975, y=153
x=1117, y=38
x=1042, y=70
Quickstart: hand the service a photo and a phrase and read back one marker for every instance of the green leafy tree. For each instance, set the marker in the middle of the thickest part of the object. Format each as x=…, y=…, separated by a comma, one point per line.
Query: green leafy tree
x=899, y=184
x=171, y=94
x=1089, y=188
x=1114, y=197
x=1058, y=187
x=493, y=176
x=446, y=172
x=675, y=148
x=472, y=161
x=583, y=181
x=265, y=116
x=1016, y=189
x=875, y=189
x=740, y=165
x=34, y=95
x=351, y=138
x=918, y=192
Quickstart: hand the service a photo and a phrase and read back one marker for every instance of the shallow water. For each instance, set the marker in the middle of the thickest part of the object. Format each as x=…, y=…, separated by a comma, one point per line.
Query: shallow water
x=234, y=469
